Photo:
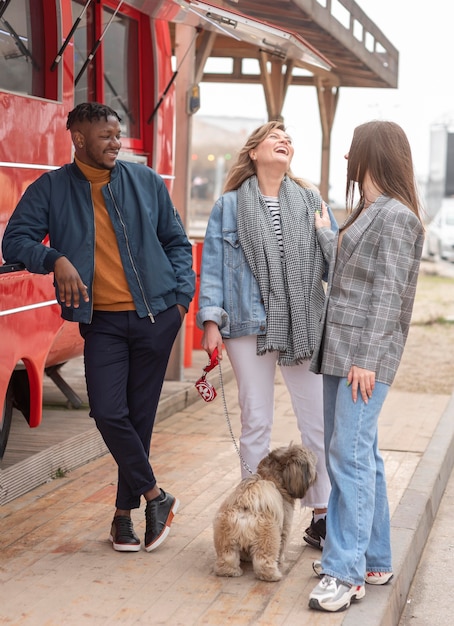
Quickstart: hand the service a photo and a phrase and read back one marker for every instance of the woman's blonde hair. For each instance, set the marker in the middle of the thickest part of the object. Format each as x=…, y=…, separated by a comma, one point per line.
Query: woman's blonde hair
x=244, y=166
x=381, y=149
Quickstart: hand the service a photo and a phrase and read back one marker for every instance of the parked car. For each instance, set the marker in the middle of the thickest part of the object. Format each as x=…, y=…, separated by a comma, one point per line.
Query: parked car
x=440, y=232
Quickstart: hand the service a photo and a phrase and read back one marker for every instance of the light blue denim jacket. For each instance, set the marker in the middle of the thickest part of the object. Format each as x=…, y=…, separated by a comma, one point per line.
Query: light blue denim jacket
x=229, y=294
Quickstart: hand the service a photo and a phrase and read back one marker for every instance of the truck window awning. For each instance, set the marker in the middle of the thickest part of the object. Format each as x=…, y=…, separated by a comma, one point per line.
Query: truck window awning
x=275, y=41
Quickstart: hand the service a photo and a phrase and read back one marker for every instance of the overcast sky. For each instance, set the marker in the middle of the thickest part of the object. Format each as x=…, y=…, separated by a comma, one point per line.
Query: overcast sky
x=423, y=34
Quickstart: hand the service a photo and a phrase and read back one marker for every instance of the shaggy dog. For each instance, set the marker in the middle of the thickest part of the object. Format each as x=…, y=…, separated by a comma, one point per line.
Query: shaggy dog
x=254, y=521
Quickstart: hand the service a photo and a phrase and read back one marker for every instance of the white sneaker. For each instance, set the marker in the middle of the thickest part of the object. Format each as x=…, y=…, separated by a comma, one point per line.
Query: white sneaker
x=331, y=594
x=378, y=578
x=317, y=567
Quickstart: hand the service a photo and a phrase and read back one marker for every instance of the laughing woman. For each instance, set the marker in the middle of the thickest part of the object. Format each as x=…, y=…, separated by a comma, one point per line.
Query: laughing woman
x=262, y=295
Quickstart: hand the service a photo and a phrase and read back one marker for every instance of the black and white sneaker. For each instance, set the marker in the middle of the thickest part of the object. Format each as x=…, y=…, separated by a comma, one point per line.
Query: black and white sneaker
x=331, y=594
x=159, y=514
x=316, y=533
x=122, y=535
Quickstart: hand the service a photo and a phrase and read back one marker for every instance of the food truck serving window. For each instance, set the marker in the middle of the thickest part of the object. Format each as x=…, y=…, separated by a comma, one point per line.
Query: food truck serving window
x=22, y=67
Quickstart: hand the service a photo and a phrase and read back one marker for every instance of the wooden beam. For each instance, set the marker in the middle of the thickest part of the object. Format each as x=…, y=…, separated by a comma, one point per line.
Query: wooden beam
x=328, y=97
x=185, y=61
x=203, y=52
x=275, y=83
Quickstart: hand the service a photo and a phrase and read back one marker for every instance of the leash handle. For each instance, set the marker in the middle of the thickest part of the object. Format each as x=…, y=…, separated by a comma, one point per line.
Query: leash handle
x=203, y=386
x=213, y=361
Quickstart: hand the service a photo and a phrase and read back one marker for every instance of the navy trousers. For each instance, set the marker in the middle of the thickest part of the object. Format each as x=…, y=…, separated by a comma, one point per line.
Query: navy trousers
x=125, y=363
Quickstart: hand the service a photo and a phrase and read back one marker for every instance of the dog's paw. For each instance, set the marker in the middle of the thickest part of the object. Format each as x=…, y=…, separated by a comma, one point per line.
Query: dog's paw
x=269, y=575
x=228, y=571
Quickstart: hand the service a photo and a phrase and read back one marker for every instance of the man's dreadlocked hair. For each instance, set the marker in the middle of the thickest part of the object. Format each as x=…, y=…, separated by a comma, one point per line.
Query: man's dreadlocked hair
x=89, y=111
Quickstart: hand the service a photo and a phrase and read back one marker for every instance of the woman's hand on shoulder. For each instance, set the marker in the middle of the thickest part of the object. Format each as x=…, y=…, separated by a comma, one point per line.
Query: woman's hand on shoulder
x=322, y=218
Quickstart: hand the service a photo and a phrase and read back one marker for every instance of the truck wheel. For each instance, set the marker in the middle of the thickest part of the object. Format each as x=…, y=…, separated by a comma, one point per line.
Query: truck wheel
x=5, y=423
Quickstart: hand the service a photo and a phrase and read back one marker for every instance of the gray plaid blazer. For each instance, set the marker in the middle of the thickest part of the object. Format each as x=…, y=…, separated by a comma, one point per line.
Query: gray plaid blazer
x=371, y=289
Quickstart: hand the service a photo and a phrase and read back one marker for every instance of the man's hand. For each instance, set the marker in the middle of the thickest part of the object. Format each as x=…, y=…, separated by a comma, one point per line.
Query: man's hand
x=70, y=285
x=182, y=311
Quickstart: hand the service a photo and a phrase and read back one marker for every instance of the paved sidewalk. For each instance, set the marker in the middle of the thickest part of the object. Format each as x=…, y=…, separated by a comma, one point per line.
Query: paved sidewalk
x=435, y=571
x=58, y=568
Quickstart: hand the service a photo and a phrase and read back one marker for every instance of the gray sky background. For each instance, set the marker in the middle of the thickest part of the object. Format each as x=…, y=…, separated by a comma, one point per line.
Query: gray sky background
x=423, y=33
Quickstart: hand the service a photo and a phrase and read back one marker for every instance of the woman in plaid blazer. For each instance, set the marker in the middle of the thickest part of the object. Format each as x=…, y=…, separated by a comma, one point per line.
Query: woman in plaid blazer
x=372, y=279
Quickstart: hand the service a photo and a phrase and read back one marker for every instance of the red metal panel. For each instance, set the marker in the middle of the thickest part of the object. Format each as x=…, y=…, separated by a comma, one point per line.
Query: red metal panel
x=166, y=112
x=33, y=139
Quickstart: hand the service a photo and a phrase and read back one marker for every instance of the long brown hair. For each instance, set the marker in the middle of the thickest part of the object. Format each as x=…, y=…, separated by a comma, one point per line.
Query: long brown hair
x=382, y=150
x=244, y=166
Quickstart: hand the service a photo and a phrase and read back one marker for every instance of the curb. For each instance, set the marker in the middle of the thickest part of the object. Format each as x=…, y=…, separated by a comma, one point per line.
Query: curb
x=410, y=528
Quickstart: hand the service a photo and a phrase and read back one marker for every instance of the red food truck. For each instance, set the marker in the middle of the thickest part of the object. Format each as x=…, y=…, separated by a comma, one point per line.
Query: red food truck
x=55, y=54
x=51, y=58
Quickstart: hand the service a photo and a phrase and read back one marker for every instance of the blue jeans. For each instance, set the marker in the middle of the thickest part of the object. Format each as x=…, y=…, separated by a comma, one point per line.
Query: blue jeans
x=358, y=525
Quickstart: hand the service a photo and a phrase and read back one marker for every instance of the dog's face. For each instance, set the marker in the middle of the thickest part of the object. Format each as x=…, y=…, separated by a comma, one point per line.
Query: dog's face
x=293, y=467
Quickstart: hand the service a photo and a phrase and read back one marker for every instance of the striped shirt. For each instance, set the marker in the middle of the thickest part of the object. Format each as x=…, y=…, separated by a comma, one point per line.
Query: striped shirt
x=275, y=211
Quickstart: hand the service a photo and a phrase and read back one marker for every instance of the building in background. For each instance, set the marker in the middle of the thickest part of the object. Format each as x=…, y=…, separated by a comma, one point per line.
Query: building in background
x=215, y=144
x=440, y=183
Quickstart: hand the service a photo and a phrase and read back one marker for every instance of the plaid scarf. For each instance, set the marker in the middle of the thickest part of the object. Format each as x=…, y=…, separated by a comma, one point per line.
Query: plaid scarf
x=292, y=288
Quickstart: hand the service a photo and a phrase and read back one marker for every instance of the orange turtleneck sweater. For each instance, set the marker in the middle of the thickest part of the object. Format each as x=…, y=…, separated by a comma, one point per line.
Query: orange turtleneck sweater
x=110, y=287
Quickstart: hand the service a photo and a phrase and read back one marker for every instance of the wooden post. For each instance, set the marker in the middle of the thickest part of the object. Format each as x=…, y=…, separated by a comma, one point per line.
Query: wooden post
x=327, y=103
x=184, y=39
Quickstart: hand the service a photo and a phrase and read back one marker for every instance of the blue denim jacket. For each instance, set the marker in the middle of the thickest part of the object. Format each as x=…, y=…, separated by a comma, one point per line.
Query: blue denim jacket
x=229, y=294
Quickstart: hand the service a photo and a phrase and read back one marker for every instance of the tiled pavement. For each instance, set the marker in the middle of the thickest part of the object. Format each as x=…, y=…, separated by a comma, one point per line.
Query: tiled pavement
x=58, y=568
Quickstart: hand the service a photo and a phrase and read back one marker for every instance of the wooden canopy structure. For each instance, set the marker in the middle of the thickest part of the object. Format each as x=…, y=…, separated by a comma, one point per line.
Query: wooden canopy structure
x=325, y=44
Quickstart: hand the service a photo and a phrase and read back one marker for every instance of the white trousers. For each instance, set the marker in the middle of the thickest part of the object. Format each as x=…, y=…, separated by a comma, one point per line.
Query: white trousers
x=255, y=379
